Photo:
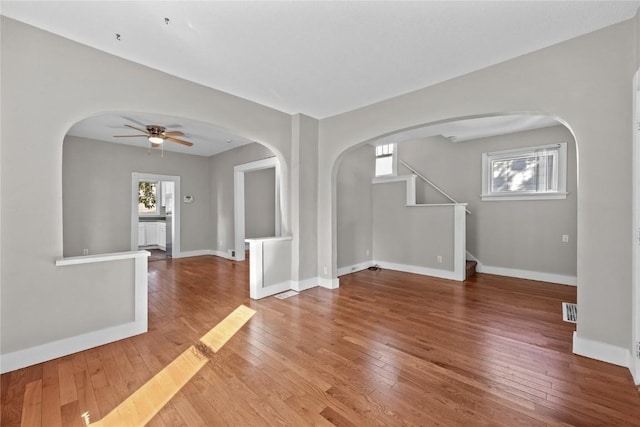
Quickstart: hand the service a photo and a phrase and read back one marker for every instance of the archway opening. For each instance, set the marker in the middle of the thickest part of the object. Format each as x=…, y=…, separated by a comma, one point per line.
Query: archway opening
x=102, y=155
x=530, y=236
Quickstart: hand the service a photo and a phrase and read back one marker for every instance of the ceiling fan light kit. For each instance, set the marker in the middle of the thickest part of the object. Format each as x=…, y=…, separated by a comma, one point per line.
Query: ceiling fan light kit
x=156, y=135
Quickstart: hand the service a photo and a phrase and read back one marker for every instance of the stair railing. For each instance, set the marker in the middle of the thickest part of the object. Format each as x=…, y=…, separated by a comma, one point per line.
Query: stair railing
x=422, y=177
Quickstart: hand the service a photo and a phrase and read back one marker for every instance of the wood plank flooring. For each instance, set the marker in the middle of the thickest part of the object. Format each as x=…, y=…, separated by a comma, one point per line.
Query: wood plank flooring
x=385, y=349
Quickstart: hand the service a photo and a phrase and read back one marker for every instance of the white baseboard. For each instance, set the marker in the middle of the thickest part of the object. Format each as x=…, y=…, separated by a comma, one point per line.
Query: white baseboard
x=42, y=353
x=202, y=252
x=189, y=254
x=305, y=284
x=329, y=283
x=425, y=271
x=523, y=274
x=273, y=289
x=635, y=370
x=354, y=268
x=600, y=351
x=526, y=274
x=294, y=285
x=222, y=254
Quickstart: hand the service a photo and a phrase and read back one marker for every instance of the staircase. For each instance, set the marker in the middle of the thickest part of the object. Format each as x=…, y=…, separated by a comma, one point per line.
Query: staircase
x=470, y=269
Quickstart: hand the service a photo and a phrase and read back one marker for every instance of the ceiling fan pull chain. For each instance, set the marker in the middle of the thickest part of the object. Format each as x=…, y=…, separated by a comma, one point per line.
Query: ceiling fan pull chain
x=149, y=149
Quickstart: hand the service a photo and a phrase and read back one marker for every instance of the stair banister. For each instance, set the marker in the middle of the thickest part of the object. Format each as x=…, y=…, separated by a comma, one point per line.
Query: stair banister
x=440, y=190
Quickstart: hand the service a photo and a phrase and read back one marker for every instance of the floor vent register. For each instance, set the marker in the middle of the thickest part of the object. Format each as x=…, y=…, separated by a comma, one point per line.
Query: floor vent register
x=287, y=294
x=569, y=312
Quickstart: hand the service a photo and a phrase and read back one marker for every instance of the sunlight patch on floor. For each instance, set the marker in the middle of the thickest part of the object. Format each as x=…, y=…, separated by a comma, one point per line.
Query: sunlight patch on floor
x=149, y=399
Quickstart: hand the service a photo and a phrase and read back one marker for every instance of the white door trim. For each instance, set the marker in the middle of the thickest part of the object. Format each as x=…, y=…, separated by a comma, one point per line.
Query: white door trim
x=136, y=177
x=238, y=199
x=634, y=361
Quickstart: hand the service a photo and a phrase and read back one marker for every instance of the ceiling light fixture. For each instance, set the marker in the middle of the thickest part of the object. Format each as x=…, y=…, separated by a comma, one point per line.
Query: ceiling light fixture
x=154, y=139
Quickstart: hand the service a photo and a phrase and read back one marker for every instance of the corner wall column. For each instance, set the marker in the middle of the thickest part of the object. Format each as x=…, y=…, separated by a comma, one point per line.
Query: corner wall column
x=304, y=201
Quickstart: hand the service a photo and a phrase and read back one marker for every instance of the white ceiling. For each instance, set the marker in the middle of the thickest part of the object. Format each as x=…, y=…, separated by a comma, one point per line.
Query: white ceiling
x=316, y=58
x=319, y=58
x=470, y=129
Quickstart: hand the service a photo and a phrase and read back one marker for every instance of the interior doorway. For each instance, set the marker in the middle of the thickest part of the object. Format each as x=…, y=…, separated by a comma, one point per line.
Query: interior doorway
x=160, y=227
x=239, y=201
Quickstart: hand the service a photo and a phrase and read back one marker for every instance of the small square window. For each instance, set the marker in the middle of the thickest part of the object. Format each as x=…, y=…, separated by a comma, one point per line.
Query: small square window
x=386, y=160
x=527, y=173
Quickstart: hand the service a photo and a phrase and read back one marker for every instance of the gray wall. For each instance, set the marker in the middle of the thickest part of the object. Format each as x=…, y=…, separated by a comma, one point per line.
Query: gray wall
x=222, y=188
x=524, y=235
x=260, y=203
x=304, y=199
x=413, y=236
x=96, y=194
x=48, y=84
x=354, y=207
x=587, y=82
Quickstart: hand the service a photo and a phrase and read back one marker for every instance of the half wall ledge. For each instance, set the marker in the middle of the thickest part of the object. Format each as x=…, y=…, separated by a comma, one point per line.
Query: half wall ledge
x=88, y=259
x=69, y=345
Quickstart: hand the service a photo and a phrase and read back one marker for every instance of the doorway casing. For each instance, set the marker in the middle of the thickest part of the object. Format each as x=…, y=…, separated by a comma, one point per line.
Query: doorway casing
x=239, y=205
x=634, y=363
x=136, y=177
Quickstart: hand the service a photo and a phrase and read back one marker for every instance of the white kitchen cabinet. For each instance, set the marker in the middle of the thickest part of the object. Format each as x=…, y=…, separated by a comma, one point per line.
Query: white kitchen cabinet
x=162, y=235
x=151, y=233
x=142, y=234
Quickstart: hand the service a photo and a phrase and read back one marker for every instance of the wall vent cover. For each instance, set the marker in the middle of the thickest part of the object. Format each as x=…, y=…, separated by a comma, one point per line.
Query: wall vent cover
x=569, y=312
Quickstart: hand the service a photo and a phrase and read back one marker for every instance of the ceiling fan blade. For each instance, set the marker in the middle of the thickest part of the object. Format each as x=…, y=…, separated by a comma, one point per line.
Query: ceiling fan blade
x=173, y=133
x=130, y=136
x=179, y=141
x=141, y=130
x=131, y=119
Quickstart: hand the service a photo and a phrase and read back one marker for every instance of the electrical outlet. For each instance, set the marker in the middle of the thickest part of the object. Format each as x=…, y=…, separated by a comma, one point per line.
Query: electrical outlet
x=439, y=259
x=366, y=252
x=85, y=252
x=325, y=270
x=565, y=238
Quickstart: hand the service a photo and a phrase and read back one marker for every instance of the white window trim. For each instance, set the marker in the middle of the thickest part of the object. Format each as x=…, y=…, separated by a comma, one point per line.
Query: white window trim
x=487, y=196
x=394, y=162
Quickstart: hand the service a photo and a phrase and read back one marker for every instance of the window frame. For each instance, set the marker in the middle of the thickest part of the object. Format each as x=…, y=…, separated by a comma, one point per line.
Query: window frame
x=158, y=194
x=394, y=160
x=560, y=174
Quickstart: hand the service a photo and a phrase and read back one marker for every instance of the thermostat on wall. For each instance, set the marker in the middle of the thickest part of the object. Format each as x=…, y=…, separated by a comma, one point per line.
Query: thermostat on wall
x=188, y=199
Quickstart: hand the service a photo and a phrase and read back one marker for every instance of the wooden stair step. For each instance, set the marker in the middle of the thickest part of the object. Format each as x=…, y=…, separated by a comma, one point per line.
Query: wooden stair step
x=470, y=269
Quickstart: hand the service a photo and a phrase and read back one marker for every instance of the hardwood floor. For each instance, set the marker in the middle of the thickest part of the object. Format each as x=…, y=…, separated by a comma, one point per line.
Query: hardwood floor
x=386, y=348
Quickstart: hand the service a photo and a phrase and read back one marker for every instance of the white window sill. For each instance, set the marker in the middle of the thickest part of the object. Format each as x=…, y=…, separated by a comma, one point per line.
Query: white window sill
x=523, y=196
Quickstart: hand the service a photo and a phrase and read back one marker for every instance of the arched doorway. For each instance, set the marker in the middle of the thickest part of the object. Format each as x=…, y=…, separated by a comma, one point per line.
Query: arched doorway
x=106, y=153
x=505, y=238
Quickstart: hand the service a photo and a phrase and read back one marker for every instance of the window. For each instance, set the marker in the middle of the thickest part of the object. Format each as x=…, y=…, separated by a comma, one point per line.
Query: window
x=386, y=160
x=147, y=198
x=525, y=173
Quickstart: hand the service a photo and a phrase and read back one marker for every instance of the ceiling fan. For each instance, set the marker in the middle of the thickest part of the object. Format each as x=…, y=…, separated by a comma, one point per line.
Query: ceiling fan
x=156, y=135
